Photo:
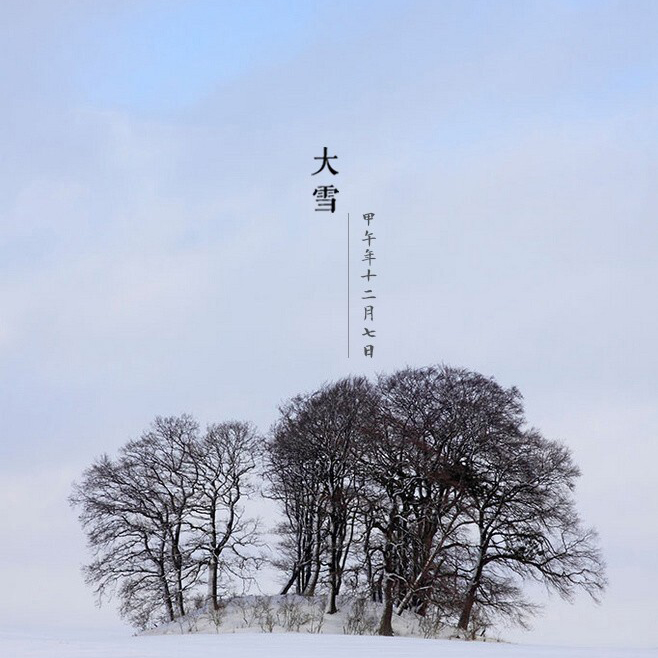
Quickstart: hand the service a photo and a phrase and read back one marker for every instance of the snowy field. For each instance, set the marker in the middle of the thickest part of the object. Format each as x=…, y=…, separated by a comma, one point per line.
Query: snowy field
x=258, y=626
x=288, y=645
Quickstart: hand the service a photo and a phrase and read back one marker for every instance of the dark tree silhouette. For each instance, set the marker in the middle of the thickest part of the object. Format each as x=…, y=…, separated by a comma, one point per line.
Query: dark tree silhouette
x=222, y=462
x=425, y=491
x=313, y=460
x=525, y=522
x=164, y=512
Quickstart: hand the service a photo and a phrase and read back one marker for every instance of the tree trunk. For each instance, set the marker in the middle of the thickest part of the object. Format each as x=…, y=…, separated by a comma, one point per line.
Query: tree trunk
x=386, y=623
x=312, y=583
x=316, y=565
x=290, y=582
x=181, y=602
x=331, y=605
x=212, y=583
x=166, y=595
x=333, y=581
x=465, y=616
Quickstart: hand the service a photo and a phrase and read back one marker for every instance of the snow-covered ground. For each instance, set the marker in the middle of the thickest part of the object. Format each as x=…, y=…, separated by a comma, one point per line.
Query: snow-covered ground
x=288, y=645
x=285, y=627
x=303, y=614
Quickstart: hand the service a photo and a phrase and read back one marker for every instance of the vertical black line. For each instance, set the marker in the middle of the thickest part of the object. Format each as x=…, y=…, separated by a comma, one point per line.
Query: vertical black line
x=348, y=285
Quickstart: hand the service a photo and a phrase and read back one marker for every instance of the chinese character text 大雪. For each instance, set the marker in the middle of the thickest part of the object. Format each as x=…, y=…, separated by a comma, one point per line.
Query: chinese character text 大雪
x=325, y=195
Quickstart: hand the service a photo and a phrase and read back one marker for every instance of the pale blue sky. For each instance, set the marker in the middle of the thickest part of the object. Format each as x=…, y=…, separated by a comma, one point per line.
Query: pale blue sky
x=159, y=252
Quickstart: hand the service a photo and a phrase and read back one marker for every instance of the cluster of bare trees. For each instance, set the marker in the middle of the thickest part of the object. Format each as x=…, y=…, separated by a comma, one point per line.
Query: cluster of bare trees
x=166, y=516
x=426, y=491
x=423, y=490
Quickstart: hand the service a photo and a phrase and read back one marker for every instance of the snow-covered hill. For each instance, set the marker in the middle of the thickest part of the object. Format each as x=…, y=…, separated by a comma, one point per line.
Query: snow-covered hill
x=302, y=614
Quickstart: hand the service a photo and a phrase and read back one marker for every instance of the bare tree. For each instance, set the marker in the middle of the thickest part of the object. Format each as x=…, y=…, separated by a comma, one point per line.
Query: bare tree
x=293, y=470
x=164, y=453
x=425, y=491
x=166, y=511
x=132, y=510
x=313, y=467
x=466, y=501
x=525, y=524
x=418, y=460
x=222, y=462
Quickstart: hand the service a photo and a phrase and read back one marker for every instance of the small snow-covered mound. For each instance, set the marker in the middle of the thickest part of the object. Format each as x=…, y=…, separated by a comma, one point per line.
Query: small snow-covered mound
x=301, y=614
